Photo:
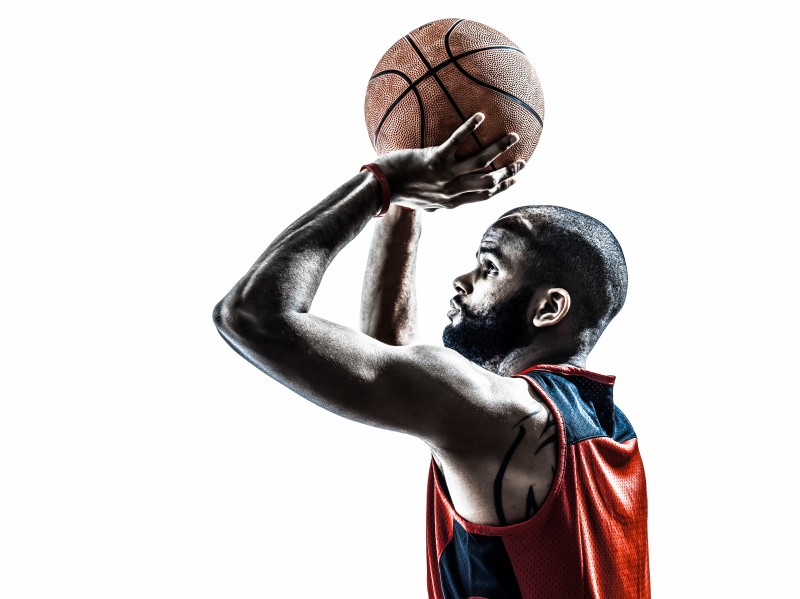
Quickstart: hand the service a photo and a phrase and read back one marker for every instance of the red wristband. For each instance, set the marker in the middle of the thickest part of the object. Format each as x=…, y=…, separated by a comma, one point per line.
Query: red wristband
x=384, y=183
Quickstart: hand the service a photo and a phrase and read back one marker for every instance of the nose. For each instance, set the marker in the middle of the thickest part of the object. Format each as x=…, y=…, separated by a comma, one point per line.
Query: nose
x=463, y=285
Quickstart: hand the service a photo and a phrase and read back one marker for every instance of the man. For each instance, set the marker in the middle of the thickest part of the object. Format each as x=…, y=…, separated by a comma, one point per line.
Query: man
x=536, y=487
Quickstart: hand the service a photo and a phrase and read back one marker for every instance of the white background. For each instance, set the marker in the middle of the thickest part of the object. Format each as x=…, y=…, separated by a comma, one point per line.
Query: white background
x=150, y=150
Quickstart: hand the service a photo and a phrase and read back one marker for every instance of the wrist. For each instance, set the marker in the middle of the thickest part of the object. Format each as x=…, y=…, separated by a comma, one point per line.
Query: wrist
x=383, y=184
x=393, y=172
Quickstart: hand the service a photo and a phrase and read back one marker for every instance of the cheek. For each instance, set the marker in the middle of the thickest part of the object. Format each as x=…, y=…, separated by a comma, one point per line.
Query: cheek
x=484, y=295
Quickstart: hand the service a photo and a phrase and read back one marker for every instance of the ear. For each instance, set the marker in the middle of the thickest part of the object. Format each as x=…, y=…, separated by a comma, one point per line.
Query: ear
x=549, y=306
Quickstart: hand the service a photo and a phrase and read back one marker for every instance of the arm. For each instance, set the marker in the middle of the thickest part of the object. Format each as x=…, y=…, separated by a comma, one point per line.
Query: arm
x=419, y=390
x=388, y=297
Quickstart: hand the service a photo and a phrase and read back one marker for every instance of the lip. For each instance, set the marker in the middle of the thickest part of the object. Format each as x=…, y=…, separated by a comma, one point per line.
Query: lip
x=453, y=309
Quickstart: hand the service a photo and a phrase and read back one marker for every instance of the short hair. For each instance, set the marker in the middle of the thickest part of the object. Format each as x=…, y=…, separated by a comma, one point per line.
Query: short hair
x=579, y=253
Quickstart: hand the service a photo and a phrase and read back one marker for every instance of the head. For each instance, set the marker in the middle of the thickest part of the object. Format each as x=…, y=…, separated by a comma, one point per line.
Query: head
x=547, y=282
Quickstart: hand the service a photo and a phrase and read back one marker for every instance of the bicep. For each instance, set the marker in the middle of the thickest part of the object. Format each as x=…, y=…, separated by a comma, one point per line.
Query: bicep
x=429, y=392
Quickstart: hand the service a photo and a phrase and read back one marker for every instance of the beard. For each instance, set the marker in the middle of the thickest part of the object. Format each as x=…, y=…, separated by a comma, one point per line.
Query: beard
x=487, y=337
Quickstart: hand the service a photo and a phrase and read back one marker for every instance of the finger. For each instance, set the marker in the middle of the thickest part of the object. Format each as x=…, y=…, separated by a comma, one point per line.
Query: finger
x=478, y=188
x=449, y=147
x=484, y=181
x=486, y=156
x=472, y=197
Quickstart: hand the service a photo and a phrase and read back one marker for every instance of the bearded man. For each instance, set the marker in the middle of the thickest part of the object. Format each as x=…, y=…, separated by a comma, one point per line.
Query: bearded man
x=536, y=485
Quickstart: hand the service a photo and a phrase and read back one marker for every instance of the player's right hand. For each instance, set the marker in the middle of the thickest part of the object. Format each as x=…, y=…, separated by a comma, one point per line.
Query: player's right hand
x=433, y=178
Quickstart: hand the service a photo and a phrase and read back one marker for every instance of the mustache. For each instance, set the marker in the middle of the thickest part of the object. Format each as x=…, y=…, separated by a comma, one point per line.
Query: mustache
x=457, y=303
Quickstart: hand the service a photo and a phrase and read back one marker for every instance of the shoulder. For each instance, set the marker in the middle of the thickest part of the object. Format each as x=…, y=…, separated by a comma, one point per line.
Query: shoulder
x=471, y=404
x=484, y=408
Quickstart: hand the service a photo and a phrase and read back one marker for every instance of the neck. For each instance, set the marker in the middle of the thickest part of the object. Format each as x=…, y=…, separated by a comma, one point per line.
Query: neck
x=519, y=360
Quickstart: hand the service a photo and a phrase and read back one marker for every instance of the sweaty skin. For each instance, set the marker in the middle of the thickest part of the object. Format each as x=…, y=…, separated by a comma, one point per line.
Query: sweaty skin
x=489, y=435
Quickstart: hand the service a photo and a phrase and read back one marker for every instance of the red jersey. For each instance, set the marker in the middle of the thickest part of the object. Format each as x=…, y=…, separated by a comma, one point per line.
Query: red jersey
x=588, y=539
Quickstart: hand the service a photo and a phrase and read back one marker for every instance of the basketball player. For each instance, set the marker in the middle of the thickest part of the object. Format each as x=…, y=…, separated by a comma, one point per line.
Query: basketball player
x=536, y=487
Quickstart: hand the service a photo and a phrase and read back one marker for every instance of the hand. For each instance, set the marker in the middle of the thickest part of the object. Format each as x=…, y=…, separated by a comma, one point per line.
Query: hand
x=432, y=178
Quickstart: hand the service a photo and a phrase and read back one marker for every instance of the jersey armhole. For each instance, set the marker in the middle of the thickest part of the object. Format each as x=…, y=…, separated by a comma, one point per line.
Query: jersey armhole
x=552, y=495
x=561, y=459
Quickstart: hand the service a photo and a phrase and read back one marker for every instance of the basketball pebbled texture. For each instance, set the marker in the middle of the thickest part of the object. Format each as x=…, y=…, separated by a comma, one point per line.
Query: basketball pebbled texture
x=437, y=76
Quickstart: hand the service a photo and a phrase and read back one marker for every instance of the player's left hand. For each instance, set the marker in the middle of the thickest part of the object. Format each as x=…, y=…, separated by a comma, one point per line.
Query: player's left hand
x=432, y=178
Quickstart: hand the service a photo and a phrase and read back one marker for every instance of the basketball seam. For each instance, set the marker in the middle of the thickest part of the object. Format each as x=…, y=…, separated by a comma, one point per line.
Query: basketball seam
x=442, y=86
x=483, y=83
x=411, y=87
x=413, y=84
x=455, y=62
x=448, y=61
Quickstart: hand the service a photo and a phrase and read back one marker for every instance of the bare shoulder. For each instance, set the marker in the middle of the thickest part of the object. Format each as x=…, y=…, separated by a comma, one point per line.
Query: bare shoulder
x=505, y=475
x=482, y=406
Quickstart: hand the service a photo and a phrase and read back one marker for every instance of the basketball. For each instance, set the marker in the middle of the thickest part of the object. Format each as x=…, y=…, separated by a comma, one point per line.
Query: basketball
x=433, y=79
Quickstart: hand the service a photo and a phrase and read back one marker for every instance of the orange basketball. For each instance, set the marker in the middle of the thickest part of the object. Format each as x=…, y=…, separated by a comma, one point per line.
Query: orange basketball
x=437, y=76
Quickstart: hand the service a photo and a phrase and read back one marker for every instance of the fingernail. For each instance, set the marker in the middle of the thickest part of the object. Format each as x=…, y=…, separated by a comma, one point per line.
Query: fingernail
x=479, y=117
x=514, y=138
x=521, y=164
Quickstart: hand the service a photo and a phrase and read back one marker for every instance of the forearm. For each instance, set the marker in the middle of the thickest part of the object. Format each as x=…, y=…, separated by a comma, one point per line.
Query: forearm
x=388, y=297
x=281, y=285
x=265, y=318
x=286, y=276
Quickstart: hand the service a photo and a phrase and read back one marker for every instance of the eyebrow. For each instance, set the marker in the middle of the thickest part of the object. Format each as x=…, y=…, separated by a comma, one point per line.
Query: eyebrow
x=495, y=251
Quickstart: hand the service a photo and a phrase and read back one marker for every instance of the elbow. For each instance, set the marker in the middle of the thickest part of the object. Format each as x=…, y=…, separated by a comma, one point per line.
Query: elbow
x=226, y=319
x=233, y=318
x=251, y=343
x=230, y=316
x=235, y=329
x=222, y=316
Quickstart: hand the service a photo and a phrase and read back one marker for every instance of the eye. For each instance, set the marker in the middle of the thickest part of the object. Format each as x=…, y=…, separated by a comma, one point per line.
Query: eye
x=489, y=269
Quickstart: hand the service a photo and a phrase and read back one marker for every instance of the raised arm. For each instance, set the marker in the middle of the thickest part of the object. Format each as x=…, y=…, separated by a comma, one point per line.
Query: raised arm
x=419, y=390
x=388, y=297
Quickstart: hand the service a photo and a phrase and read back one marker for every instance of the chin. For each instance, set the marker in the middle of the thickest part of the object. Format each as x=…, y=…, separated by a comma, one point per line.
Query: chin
x=485, y=341
x=448, y=336
x=453, y=338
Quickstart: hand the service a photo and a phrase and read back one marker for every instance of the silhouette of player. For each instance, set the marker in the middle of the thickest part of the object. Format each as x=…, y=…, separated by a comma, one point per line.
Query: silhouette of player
x=536, y=486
